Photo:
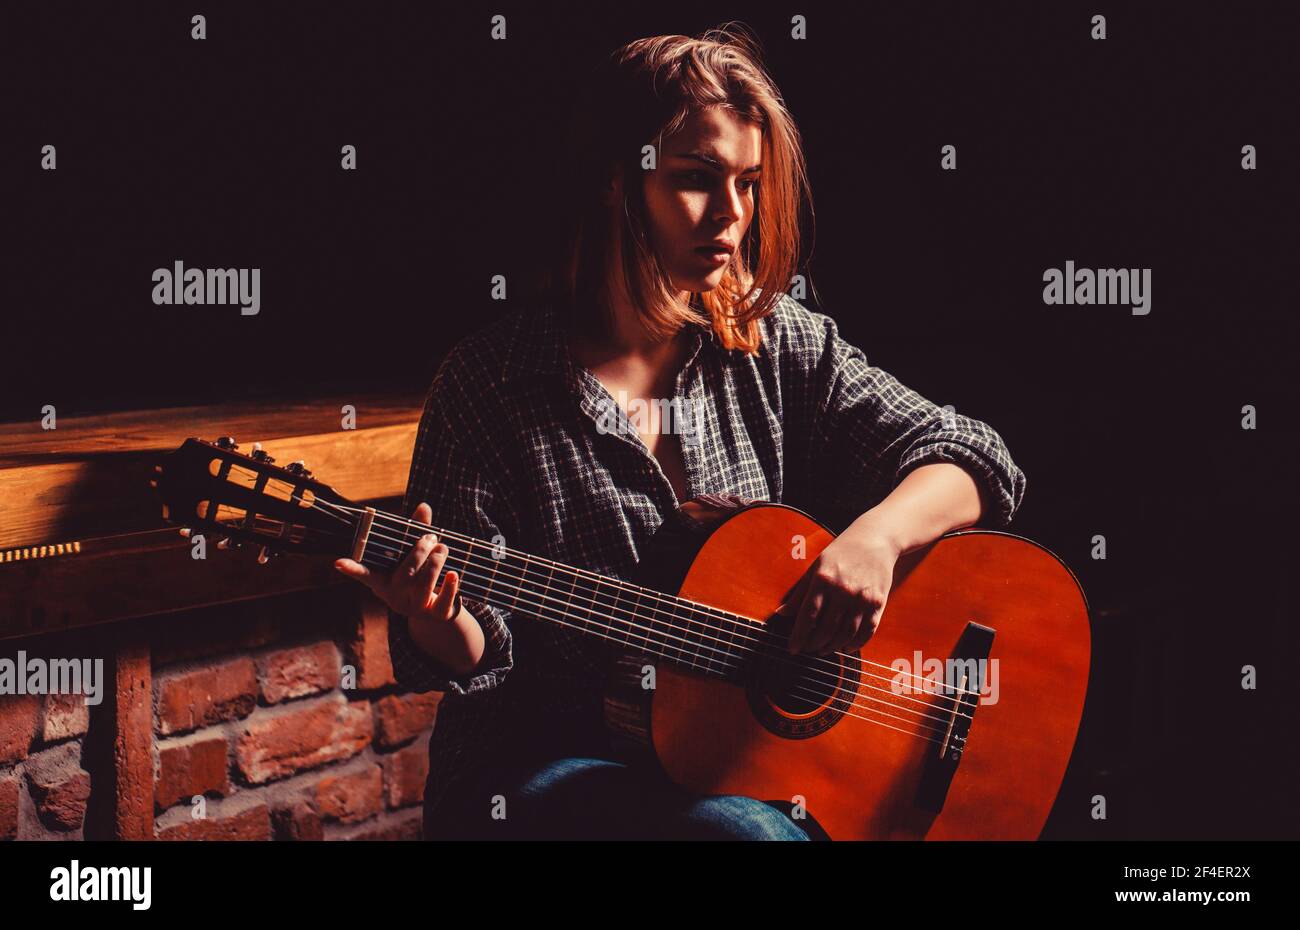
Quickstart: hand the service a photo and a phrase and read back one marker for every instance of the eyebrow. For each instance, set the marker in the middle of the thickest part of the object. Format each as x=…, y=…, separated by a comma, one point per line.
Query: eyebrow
x=713, y=162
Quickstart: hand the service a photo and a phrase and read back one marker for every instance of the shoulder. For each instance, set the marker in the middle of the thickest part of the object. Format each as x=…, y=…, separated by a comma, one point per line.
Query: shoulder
x=797, y=337
x=485, y=353
x=467, y=385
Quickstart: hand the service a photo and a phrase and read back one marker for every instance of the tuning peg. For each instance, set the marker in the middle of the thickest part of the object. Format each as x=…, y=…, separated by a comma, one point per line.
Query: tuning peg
x=263, y=557
x=227, y=442
x=185, y=531
x=261, y=454
x=298, y=468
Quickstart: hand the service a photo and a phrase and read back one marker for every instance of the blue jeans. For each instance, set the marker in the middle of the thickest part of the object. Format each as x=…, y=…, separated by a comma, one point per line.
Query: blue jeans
x=589, y=798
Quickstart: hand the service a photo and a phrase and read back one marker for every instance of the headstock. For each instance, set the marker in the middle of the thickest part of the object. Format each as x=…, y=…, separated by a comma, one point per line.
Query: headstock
x=214, y=489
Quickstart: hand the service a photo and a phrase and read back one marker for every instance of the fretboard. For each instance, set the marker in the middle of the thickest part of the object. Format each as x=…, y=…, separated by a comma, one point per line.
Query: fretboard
x=696, y=636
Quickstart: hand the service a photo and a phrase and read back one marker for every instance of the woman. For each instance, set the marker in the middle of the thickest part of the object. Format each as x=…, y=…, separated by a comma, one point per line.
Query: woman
x=668, y=285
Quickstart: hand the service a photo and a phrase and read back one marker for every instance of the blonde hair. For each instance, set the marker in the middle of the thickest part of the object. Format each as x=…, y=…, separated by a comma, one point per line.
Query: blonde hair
x=642, y=92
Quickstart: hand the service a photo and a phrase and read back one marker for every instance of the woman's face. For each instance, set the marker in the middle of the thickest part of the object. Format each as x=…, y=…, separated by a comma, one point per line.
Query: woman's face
x=704, y=189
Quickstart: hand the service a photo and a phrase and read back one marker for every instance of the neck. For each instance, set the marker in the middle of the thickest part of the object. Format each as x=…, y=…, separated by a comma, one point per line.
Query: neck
x=682, y=632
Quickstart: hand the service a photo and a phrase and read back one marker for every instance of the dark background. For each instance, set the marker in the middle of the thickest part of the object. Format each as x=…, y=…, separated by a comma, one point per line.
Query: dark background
x=1117, y=153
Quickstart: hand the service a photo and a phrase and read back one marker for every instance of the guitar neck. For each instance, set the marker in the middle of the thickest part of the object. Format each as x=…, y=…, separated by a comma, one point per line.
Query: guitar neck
x=691, y=635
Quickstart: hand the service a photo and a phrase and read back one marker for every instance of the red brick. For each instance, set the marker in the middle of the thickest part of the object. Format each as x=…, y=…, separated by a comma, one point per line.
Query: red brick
x=405, y=772
x=189, y=766
x=66, y=716
x=19, y=714
x=198, y=697
x=352, y=796
x=291, y=673
x=399, y=718
x=276, y=744
x=368, y=650
x=9, y=789
x=59, y=786
x=297, y=820
x=395, y=827
x=251, y=821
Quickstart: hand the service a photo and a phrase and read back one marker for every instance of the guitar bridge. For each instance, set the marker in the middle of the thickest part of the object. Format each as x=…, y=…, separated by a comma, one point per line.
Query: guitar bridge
x=970, y=654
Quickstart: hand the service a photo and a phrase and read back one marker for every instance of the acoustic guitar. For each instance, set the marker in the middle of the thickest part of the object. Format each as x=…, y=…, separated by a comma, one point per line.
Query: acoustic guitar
x=955, y=721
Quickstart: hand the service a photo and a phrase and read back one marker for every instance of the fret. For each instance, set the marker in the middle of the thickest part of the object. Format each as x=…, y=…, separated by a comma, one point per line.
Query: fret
x=568, y=603
x=638, y=626
x=711, y=632
x=656, y=640
x=688, y=644
x=605, y=600
x=544, y=597
x=689, y=632
x=469, y=553
x=733, y=648
x=710, y=636
x=673, y=637
x=518, y=585
x=716, y=629
x=652, y=635
x=738, y=634
x=591, y=600
x=492, y=580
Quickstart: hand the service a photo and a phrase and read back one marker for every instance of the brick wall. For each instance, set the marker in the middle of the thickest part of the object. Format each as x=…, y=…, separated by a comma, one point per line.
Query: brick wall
x=272, y=719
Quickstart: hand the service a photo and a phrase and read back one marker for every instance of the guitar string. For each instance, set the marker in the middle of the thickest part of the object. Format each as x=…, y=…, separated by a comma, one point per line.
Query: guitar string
x=831, y=698
x=571, y=609
x=746, y=628
x=834, y=697
x=930, y=685
x=927, y=685
x=744, y=624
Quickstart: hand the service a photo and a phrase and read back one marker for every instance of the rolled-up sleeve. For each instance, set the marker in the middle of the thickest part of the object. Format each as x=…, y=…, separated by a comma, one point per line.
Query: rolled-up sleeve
x=459, y=488
x=866, y=430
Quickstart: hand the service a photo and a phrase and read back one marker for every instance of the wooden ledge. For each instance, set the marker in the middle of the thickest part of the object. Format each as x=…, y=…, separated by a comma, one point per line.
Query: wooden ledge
x=85, y=487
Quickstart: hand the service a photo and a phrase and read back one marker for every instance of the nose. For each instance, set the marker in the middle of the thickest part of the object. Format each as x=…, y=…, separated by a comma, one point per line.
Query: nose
x=728, y=209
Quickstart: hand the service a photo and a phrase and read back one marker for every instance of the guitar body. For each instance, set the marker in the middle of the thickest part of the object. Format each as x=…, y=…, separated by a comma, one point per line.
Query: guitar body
x=874, y=756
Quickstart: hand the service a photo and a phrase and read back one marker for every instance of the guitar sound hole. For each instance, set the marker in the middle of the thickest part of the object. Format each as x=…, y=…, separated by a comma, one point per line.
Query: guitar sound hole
x=798, y=685
x=800, y=696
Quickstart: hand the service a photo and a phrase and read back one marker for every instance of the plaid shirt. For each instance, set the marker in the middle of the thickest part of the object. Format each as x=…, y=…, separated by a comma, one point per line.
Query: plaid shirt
x=512, y=441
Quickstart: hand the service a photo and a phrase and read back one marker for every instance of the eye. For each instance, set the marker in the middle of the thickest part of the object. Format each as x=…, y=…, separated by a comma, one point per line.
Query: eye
x=704, y=178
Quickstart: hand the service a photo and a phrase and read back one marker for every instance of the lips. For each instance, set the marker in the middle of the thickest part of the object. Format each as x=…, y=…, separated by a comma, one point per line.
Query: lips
x=715, y=253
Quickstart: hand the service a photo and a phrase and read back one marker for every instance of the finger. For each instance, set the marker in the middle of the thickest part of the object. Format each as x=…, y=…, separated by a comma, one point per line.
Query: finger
x=422, y=513
x=356, y=570
x=414, y=560
x=442, y=606
x=851, y=620
x=870, y=623
x=427, y=576
x=790, y=605
x=828, y=624
x=804, y=623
